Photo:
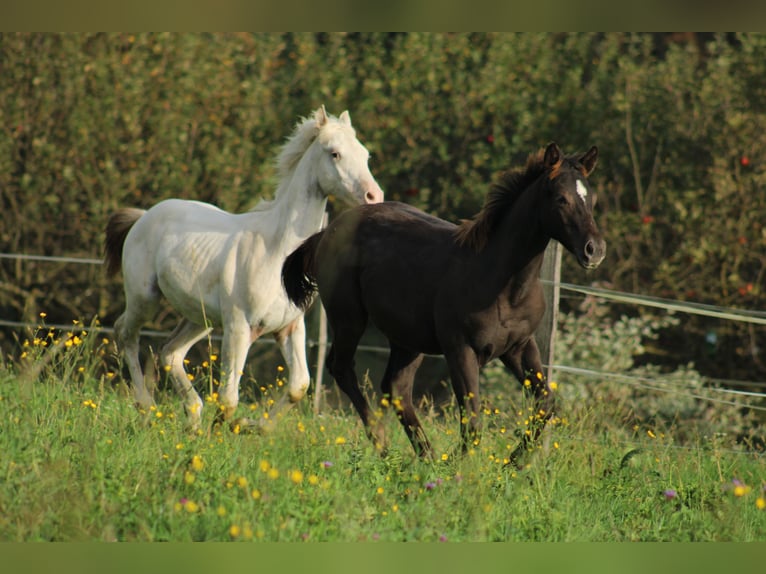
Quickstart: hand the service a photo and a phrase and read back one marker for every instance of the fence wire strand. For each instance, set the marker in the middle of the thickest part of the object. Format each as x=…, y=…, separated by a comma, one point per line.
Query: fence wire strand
x=742, y=315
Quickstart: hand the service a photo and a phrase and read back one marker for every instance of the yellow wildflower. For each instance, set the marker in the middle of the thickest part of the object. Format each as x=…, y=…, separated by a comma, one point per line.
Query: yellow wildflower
x=741, y=490
x=191, y=507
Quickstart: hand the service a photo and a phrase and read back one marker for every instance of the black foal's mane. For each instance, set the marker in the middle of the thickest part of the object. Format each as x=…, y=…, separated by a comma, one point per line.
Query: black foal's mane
x=503, y=193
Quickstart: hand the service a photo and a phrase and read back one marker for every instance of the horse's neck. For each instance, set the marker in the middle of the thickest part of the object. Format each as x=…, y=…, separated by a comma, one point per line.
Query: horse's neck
x=299, y=205
x=513, y=256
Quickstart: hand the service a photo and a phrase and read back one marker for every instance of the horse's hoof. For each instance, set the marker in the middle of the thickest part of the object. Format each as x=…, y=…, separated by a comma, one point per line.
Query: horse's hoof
x=245, y=426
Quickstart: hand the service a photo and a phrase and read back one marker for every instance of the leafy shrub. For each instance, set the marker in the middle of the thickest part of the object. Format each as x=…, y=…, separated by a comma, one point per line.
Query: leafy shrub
x=98, y=121
x=605, y=358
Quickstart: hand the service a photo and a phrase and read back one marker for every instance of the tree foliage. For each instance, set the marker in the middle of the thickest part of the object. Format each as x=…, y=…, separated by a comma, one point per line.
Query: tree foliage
x=92, y=122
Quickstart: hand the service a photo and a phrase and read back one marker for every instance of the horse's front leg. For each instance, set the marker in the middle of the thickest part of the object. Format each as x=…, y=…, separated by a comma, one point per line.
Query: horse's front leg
x=527, y=366
x=292, y=342
x=464, y=375
x=237, y=338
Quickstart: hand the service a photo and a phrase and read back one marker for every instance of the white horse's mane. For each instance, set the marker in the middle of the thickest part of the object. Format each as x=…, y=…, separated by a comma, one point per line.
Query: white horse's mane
x=296, y=145
x=304, y=134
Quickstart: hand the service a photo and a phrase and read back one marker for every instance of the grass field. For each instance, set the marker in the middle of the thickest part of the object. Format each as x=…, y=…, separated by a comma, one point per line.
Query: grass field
x=79, y=463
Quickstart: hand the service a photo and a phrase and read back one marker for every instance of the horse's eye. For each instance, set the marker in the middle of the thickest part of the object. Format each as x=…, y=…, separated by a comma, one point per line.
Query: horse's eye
x=562, y=200
x=335, y=155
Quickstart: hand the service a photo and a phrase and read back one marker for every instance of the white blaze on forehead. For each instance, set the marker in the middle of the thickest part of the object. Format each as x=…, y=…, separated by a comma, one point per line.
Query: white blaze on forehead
x=582, y=191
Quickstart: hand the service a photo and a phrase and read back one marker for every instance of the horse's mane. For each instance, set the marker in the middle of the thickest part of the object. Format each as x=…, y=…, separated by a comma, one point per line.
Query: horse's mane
x=296, y=145
x=304, y=134
x=503, y=193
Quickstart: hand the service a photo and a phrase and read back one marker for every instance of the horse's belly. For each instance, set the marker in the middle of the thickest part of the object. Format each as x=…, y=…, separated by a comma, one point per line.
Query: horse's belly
x=197, y=305
x=411, y=331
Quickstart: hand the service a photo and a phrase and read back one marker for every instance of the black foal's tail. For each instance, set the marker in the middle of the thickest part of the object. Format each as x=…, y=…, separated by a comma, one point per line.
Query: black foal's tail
x=299, y=272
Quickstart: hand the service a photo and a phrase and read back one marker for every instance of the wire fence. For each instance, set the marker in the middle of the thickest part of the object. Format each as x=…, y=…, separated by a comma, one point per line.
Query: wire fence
x=720, y=386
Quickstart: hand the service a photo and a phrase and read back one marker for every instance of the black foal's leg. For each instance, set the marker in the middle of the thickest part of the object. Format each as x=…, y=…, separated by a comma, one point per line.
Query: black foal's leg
x=347, y=331
x=464, y=376
x=528, y=369
x=397, y=391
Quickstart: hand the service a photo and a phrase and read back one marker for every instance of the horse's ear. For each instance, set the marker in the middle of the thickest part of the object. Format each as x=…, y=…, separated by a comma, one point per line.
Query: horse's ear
x=589, y=160
x=320, y=116
x=345, y=118
x=552, y=154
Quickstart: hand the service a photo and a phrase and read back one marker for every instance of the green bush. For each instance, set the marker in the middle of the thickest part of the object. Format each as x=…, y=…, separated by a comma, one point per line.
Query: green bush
x=631, y=397
x=96, y=121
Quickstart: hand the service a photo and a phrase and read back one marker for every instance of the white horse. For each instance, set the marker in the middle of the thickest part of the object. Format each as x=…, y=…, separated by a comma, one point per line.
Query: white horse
x=222, y=269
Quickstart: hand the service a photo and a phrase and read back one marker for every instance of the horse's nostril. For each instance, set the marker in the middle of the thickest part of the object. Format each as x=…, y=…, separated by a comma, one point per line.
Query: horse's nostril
x=590, y=248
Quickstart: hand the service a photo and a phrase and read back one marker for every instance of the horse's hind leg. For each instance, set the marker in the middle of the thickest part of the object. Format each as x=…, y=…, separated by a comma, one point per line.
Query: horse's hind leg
x=172, y=360
x=347, y=326
x=397, y=390
x=127, y=333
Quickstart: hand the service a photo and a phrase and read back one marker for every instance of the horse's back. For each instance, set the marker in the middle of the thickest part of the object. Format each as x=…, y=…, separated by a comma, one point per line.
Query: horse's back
x=378, y=235
x=187, y=214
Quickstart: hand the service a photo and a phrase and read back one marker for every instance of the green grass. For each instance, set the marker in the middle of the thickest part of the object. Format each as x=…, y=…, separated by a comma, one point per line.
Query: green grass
x=79, y=463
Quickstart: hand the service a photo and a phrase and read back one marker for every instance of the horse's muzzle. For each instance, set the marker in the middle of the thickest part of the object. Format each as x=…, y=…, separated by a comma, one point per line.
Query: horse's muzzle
x=593, y=253
x=373, y=193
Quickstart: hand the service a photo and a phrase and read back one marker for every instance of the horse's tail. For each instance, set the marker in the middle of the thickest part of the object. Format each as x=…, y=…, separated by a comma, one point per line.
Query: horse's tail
x=299, y=272
x=117, y=229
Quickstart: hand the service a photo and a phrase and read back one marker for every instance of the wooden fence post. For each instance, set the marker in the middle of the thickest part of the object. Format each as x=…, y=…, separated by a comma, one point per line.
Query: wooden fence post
x=321, y=352
x=546, y=332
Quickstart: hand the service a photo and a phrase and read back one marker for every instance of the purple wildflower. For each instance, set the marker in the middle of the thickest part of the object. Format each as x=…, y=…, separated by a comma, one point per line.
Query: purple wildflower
x=430, y=485
x=327, y=464
x=670, y=494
